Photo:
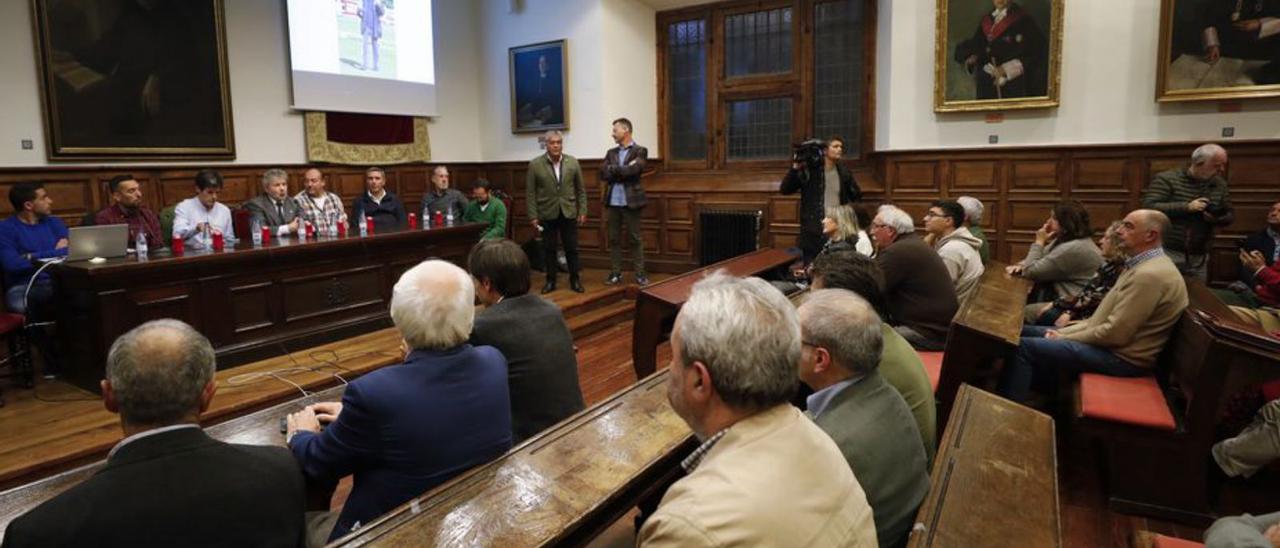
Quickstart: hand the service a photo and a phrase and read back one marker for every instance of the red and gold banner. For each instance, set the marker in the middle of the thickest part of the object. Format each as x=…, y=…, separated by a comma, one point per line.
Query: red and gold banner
x=365, y=139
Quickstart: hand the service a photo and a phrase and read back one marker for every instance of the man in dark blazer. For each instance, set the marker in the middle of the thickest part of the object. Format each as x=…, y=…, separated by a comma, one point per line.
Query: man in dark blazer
x=557, y=202
x=863, y=414
x=402, y=430
x=273, y=208
x=542, y=370
x=831, y=185
x=623, y=199
x=167, y=483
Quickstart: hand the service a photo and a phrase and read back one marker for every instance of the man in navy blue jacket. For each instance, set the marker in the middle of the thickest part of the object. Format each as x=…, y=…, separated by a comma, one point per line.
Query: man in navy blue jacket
x=404, y=429
x=379, y=204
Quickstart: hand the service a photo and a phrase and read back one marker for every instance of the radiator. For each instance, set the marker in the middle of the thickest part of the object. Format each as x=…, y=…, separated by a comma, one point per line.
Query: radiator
x=727, y=233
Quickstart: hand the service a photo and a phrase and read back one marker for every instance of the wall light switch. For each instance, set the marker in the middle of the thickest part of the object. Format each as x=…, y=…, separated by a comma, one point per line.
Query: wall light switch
x=1228, y=132
x=28, y=144
x=993, y=139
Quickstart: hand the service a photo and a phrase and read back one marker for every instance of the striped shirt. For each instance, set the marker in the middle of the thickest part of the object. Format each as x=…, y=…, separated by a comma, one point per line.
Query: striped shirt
x=695, y=458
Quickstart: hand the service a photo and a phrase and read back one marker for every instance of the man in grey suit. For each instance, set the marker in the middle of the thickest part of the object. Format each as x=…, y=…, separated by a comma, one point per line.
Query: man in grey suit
x=557, y=200
x=273, y=208
x=867, y=418
x=542, y=370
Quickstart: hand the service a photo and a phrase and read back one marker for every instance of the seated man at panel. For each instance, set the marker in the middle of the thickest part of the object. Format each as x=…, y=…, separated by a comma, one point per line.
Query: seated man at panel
x=484, y=208
x=764, y=475
x=863, y=414
x=273, y=208
x=127, y=209
x=197, y=219
x=542, y=370
x=168, y=483
x=379, y=204
x=1127, y=331
x=31, y=234
x=405, y=429
x=944, y=221
x=973, y=221
x=442, y=199
x=917, y=286
x=900, y=364
x=321, y=208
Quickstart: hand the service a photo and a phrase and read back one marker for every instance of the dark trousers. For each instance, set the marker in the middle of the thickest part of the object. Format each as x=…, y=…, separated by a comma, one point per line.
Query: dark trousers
x=38, y=306
x=554, y=232
x=617, y=217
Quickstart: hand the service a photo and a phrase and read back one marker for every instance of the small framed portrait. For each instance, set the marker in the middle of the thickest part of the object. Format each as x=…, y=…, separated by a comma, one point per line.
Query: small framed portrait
x=1218, y=49
x=134, y=80
x=997, y=54
x=539, y=87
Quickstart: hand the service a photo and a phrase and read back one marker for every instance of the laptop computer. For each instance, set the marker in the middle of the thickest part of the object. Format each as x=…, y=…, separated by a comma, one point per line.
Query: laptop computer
x=106, y=241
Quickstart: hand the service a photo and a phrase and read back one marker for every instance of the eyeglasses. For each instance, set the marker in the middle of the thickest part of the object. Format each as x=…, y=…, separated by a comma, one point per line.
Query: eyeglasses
x=931, y=214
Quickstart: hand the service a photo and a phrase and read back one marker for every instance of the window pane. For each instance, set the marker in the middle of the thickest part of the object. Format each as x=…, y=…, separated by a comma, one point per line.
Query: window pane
x=758, y=42
x=687, y=89
x=760, y=129
x=838, y=73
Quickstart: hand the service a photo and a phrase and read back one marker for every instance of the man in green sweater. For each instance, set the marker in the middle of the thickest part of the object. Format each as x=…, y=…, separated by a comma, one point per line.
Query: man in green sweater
x=486, y=209
x=1197, y=201
x=1125, y=335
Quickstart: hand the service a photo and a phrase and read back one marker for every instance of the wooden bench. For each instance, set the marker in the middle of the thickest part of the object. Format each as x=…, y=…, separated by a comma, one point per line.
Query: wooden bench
x=995, y=479
x=987, y=327
x=657, y=304
x=1156, y=432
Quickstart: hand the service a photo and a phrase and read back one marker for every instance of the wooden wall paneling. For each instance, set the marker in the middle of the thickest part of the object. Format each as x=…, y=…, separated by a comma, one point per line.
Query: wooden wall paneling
x=915, y=175
x=1103, y=212
x=251, y=307
x=968, y=176
x=1100, y=175
x=1254, y=172
x=1034, y=175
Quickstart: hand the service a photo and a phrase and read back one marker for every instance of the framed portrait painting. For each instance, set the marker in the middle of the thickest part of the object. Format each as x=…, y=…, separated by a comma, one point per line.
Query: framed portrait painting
x=539, y=87
x=134, y=80
x=997, y=54
x=1218, y=49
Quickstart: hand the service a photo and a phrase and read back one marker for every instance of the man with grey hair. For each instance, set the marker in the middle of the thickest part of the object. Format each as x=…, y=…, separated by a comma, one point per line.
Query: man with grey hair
x=973, y=209
x=1196, y=200
x=273, y=209
x=764, y=474
x=557, y=206
x=441, y=198
x=863, y=414
x=922, y=300
x=167, y=483
x=1125, y=335
x=405, y=429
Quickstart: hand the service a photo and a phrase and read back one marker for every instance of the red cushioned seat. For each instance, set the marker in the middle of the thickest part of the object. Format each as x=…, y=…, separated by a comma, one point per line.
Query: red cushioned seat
x=1129, y=400
x=9, y=322
x=932, y=366
x=1161, y=541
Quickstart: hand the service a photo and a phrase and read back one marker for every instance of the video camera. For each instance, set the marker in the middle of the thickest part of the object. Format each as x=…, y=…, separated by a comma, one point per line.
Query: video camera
x=809, y=153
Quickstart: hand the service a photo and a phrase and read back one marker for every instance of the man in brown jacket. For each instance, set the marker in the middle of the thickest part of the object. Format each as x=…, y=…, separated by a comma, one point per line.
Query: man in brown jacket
x=1125, y=335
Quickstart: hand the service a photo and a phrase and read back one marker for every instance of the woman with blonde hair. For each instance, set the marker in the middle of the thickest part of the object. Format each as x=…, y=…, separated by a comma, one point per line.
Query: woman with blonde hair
x=841, y=230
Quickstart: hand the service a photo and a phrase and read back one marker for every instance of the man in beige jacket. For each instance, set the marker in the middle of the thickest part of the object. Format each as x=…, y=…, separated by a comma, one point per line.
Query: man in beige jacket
x=765, y=475
x=1125, y=335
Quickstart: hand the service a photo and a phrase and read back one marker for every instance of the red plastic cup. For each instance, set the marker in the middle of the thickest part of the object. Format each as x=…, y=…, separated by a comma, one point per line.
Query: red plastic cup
x=311, y=230
x=266, y=235
x=178, y=245
x=218, y=244
x=413, y=220
x=438, y=220
x=342, y=229
x=368, y=223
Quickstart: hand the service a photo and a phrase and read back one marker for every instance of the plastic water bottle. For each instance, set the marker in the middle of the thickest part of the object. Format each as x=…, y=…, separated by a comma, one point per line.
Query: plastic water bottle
x=141, y=244
x=332, y=231
x=255, y=229
x=364, y=226
x=448, y=218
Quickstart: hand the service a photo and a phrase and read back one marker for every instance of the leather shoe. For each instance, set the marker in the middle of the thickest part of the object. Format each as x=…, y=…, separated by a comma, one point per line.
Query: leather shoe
x=642, y=280
x=614, y=279
x=549, y=286
x=576, y=285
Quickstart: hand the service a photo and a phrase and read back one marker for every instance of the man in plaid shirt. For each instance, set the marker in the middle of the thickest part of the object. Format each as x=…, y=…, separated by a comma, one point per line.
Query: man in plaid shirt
x=319, y=207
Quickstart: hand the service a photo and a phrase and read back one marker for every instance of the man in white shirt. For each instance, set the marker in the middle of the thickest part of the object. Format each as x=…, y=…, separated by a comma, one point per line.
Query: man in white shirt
x=197, y=219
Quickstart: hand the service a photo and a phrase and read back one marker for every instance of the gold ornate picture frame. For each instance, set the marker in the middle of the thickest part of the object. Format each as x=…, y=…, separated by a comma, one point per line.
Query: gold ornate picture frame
x=1218, y=50
x=997, y=55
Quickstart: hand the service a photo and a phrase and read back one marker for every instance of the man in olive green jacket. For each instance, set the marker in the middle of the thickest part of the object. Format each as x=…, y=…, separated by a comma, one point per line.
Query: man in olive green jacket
x=557, y=202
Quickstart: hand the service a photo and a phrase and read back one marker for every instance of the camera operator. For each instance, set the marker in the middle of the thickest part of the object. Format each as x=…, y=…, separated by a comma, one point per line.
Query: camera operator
x=822, y=181
x=1197, y=200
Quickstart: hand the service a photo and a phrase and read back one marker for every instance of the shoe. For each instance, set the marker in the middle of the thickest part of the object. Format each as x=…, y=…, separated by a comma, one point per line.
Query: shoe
x=576, y=285
x=614, y=279
x=549, y=286
x=642, y=280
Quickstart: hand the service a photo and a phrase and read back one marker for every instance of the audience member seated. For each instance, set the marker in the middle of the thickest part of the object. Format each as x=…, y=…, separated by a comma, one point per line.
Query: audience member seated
x=484, y=208
x=542, y=370
x=167, y=483
x=1259, y=283
x=402, y=430
x=321, y=208
x=30, y=235
x=197, y=219
x=900, y=365
x=917, y=285
x=273, y=209
x=442, y=199
x=1081, y=305
x=867, y=418
x=1244, y=531
x=764, y=474
x=379, y=204
x=127, y=209
x=958, y=248
x=973, y=209
x=1063, y=258
x=1127, y=331
x=1257, y=446
x=840, y=230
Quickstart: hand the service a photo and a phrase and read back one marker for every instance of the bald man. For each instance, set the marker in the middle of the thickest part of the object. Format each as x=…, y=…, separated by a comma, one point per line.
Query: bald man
x=1125, y=335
